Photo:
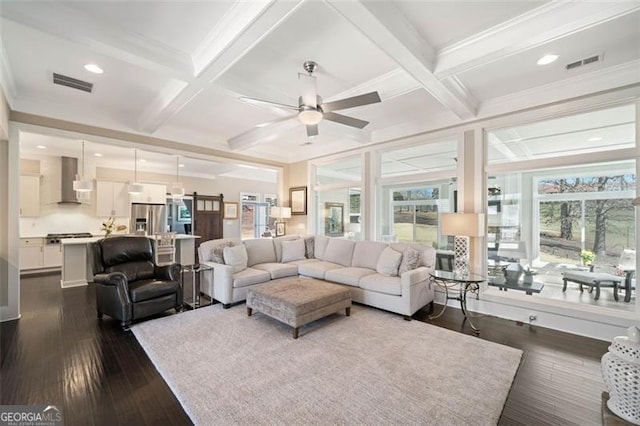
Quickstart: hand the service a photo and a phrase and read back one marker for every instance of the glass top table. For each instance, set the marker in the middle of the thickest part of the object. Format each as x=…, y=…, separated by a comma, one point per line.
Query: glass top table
x=463, y=283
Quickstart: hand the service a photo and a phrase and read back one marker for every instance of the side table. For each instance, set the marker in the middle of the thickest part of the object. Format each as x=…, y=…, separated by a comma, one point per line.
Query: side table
x=468, y=282
x=195, y=283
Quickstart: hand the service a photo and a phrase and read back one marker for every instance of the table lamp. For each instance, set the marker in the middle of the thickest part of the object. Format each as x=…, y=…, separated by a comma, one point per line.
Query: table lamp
x=462, y=226
x=280, y=213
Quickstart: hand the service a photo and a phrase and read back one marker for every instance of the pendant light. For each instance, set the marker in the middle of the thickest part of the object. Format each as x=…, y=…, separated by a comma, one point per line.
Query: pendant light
x=81, y=184
x=135, y=187
x=177, y=189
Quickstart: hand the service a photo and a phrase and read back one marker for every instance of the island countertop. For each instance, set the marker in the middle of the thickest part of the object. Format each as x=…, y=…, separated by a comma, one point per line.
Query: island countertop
x=72, y=241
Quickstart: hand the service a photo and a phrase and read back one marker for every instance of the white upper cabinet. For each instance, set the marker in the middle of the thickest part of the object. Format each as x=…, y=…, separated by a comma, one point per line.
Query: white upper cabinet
x=153, y=193
x=29, y=195
x=112, y=199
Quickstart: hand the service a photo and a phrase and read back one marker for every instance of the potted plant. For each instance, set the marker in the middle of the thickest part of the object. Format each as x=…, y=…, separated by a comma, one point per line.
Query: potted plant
x=587, y=257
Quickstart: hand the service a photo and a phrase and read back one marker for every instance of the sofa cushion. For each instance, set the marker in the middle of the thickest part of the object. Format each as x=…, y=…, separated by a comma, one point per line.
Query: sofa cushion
x=292, y=250
x=217, y=252
x=278, y=270
x=277, y=244
x=250, y=276
x=348, y=276
x=260, y=250
x=381, y=284
x=366, y=253
x=236, y=257
x=388, y=262
x=316, y=269
x=410, y=260
x=204, y=250
x=308, y=247
x=150, y=289
x=339, y=251
x=319, y=246
x=427, y=253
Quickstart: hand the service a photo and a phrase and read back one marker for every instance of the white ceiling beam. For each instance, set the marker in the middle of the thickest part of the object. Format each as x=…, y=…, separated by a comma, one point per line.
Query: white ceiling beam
x=53, y=17
x=547, y=23
x=252, y=24
x=384, y=25
x=389, y=85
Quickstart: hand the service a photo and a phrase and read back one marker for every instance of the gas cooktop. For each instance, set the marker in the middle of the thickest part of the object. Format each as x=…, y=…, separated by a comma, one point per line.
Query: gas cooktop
x=55, y=238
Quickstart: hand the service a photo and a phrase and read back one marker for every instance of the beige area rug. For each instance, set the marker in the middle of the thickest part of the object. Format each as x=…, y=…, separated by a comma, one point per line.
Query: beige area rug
x=371, y=368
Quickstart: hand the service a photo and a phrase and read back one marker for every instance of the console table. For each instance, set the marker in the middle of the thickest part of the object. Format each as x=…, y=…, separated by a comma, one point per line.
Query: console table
x=465, y=283
x=528, y=288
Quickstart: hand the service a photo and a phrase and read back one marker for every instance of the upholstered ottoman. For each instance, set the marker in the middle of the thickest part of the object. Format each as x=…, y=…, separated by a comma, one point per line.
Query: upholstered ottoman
x=298, y=301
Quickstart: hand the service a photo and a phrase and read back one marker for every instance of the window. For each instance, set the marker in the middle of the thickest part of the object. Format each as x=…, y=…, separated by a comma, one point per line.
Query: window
x=543, y=214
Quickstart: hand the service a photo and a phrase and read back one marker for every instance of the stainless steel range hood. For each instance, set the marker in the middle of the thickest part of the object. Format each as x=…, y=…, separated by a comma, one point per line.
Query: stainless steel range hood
x=69, y=170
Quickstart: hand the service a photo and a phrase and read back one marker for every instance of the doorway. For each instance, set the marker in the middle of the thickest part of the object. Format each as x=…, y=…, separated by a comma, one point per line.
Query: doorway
x=254, y=219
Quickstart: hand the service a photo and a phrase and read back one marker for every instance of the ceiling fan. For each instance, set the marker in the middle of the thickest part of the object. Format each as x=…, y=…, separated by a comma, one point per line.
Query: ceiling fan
x=310, y=110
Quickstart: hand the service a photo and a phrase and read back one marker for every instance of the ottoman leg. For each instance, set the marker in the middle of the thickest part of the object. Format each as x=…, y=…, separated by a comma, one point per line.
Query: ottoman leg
x=295, y=332
x=249, y=311
x=348, y=311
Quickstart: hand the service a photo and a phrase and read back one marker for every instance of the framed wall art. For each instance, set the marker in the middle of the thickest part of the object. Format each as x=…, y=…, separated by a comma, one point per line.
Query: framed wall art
x=298, y=197
x=230, y=210
x=334, y=219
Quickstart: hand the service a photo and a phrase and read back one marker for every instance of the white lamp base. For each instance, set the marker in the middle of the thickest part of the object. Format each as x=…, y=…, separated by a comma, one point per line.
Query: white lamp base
x=461, y=255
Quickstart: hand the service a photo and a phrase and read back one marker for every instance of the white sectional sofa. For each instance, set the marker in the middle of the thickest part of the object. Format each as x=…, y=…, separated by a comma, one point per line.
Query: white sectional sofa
x=390, y=276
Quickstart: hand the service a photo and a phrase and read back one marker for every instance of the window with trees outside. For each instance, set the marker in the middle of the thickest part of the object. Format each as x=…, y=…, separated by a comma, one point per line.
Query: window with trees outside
x=561, y=215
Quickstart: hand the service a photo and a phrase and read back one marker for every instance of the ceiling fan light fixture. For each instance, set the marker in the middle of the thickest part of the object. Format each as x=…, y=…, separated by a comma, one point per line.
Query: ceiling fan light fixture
x=310, y=117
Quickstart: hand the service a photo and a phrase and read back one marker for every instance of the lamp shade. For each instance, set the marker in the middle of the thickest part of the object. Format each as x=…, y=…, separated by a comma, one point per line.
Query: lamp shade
x=462, y=224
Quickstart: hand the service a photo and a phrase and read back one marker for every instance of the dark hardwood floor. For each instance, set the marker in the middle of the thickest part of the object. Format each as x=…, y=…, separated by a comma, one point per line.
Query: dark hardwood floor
x=58, y=353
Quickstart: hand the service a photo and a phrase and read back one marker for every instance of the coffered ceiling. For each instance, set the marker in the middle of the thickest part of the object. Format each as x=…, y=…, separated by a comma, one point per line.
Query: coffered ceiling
x=176, y=69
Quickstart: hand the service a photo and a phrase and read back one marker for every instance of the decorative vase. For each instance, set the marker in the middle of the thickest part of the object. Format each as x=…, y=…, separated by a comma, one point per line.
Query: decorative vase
x=621, y=374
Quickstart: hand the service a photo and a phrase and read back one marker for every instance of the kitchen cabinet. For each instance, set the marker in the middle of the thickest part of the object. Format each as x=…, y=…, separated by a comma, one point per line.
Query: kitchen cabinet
x=31, y=253
x=52, y=256
x=29, y=195
x=153, y=193
x=112, y=199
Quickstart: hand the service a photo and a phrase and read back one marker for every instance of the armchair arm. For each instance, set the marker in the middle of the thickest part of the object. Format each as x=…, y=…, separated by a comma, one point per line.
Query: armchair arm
x=117, y=279
x=168, y=272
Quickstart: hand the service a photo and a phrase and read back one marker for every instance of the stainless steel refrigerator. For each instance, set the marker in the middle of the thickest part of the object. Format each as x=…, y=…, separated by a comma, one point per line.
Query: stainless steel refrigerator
x=148, y=219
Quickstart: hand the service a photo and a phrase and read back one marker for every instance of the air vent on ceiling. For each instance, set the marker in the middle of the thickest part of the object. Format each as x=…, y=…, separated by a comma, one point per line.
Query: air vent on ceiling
x=585, y=61
x=74, y=83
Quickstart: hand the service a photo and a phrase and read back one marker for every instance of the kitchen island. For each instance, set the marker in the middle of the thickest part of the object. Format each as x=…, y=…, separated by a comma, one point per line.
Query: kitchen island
x=76, y=261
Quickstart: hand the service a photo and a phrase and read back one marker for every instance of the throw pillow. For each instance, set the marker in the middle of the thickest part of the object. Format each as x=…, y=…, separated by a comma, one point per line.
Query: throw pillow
x=292, y=250
x=236, y=256
x=217, y=252
x=388, y=262
x=410, y=260
x=308, y=248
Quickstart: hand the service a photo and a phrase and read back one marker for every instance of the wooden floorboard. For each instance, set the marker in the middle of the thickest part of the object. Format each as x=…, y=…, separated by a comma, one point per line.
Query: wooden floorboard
x=59, y=353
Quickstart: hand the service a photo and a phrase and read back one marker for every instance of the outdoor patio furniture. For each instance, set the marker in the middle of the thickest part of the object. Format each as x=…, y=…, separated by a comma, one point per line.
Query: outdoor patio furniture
x=594, y=279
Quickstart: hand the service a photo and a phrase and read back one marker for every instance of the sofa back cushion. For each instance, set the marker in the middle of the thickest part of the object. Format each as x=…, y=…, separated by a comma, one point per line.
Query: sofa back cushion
x=366, y=253
x=339, y=251
x=319, y=246
x=388, y=262
x=206, y=249
x=277, y=244
x=236, y=257
x=260, y=250
x=427, y=253
x=292, y=250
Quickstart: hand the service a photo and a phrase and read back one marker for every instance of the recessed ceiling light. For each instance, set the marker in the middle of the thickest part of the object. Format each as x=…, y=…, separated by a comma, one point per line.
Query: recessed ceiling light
x=93, y=68
x=41, y=147
x=547, y=59
x=595, y=139
x=142, y=160
x=181, y=165
x=97, y=154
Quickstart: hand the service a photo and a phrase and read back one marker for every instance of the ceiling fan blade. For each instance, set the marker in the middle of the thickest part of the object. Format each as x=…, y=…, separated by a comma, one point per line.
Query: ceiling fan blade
x=312, y=130
x=308, y=89
x=366, y=99
x=260, y=101
x=343, y=119
x=263, y=132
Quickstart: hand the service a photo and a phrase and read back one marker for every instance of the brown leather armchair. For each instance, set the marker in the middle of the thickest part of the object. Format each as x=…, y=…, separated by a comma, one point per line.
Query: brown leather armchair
x=129, y=285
